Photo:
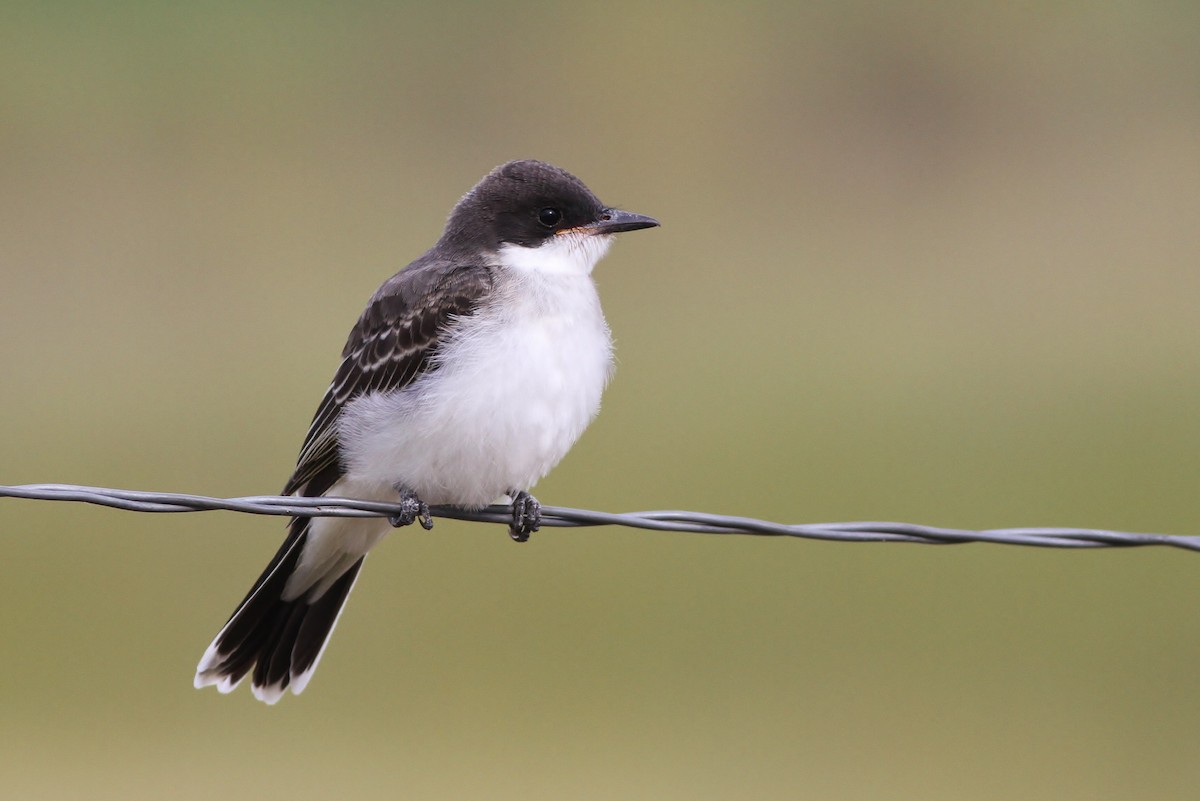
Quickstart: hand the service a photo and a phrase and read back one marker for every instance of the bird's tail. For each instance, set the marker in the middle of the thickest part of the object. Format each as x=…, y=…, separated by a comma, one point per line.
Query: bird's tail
x=278, y=636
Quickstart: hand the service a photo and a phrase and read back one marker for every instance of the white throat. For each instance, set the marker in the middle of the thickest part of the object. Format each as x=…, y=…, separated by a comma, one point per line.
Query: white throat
x=562, y=254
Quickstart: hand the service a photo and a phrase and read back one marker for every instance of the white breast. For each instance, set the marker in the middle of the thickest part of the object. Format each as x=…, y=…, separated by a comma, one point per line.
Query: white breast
x=515, y=385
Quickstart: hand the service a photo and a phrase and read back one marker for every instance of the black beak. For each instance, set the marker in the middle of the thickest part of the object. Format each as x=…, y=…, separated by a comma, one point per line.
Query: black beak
x=614, y=221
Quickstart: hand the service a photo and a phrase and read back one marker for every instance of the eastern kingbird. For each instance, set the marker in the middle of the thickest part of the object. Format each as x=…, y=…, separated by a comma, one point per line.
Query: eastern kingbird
x=470, y=374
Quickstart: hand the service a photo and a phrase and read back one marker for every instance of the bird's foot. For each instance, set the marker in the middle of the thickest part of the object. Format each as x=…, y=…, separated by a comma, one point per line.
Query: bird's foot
x=412, y=509
x=526, y=515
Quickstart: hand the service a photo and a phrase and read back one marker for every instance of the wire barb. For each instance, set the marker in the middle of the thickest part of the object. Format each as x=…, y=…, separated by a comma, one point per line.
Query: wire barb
x=565, y=517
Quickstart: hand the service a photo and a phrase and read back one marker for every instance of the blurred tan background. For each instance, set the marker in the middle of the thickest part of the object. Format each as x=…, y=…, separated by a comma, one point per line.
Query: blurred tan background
x=934, y=263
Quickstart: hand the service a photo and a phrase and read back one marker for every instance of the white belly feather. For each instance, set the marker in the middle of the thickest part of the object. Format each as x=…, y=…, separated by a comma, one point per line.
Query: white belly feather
x=514, y=387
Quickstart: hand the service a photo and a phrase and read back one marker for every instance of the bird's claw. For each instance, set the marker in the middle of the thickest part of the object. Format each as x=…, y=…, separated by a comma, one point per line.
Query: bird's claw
x=412, y=509
x=526, y=516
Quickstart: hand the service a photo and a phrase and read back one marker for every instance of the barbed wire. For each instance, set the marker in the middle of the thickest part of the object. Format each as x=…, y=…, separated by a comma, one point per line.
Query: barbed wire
x=564, y=517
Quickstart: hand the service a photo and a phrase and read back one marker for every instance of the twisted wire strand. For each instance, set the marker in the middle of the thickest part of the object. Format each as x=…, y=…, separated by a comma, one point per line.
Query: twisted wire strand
x=565, y=517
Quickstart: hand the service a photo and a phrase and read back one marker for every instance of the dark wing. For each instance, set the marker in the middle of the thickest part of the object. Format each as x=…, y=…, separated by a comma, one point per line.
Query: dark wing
x=390, y=345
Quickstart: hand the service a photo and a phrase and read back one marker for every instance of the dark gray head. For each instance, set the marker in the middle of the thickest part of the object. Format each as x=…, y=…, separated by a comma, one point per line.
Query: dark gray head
x=527, y=203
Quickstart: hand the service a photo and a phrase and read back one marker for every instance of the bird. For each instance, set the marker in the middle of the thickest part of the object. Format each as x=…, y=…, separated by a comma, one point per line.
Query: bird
x=469, y=375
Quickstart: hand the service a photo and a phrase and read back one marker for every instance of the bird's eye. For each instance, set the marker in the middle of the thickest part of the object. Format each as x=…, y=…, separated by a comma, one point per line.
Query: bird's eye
x=549, y=217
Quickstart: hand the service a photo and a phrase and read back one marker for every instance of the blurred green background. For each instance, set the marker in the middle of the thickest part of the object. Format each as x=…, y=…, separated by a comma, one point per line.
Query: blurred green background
x=923, y=262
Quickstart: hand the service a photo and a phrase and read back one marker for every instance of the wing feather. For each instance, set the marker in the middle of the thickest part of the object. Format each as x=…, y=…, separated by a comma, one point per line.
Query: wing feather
x=392, y=343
